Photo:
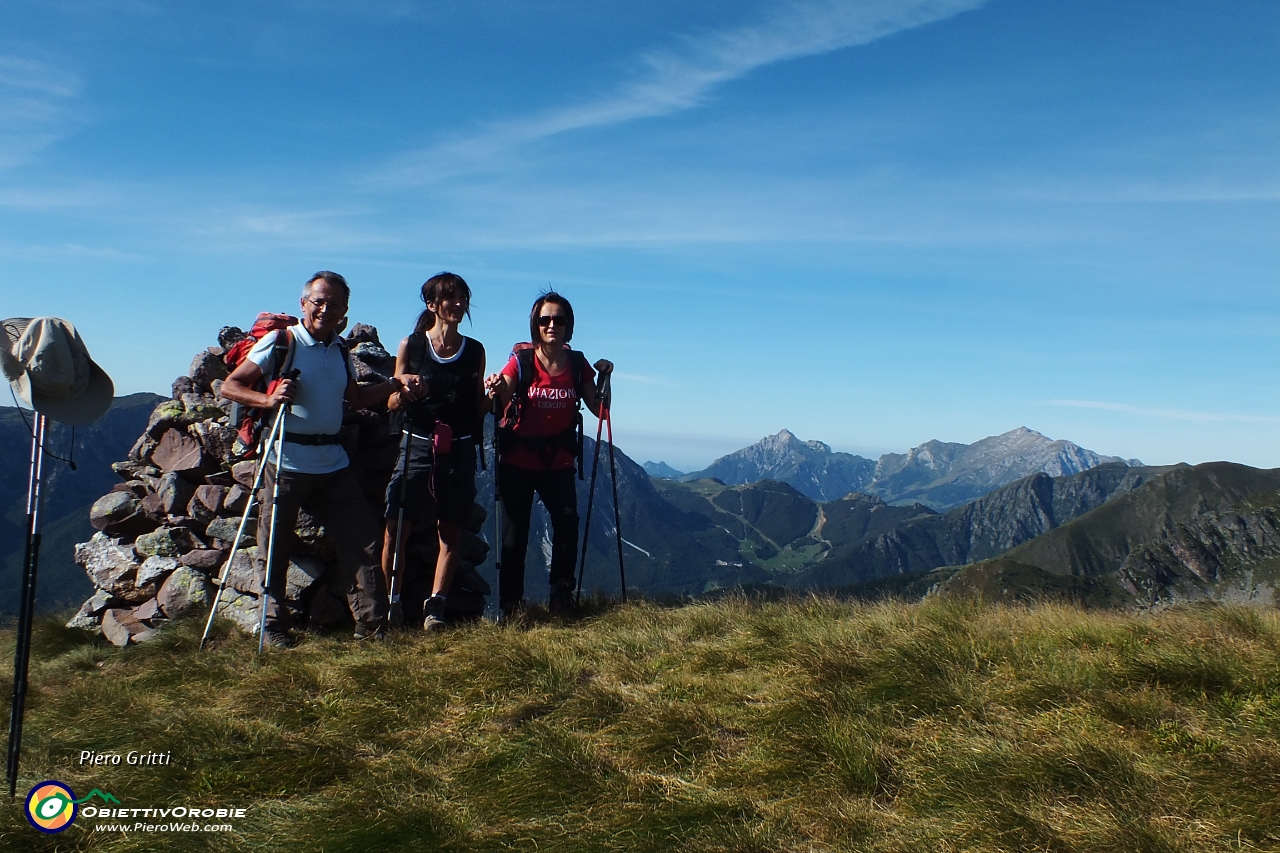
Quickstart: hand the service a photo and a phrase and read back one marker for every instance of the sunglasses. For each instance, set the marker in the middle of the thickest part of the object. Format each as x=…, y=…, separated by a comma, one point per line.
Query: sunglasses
x=545, y=320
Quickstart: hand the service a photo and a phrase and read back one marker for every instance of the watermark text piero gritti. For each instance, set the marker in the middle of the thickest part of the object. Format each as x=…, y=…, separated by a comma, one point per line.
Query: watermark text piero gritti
x=133, y=757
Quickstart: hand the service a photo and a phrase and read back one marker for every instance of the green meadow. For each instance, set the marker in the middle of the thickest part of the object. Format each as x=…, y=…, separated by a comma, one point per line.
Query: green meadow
x=801, y=725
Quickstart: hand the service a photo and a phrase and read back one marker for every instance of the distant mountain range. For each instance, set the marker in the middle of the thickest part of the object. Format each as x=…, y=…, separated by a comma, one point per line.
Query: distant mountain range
x=662, y=470
x=1079, y=524
x=939, y=475
x=68, y=496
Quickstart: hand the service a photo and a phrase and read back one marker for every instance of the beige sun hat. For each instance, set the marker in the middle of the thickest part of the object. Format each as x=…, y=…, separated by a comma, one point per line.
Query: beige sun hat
x=49, y=367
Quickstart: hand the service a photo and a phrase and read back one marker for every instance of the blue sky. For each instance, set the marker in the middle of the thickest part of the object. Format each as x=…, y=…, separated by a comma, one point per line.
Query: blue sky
x=873, y=223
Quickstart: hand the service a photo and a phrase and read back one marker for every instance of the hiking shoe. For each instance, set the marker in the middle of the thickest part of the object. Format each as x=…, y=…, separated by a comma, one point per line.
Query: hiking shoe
x=372, y=635
x=395, y=614
x=434, y=620
x=512, y=611
x=278, y=638
x=561, y=602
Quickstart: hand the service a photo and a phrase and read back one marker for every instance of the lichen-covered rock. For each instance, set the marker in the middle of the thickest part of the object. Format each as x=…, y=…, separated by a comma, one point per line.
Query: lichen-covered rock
x=159, y=543
x=184, y=590
x=164, y=416
x=224, y=530
x=154, y=569
x=241, y=609
x=216, y=440
x=121, y=628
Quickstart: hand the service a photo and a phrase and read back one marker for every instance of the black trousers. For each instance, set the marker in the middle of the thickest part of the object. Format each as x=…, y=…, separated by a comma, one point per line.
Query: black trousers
x=338, y=502
x=559, y=495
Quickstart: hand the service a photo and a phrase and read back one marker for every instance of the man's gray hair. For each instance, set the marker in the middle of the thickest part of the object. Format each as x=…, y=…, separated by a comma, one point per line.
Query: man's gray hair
x=330, y=278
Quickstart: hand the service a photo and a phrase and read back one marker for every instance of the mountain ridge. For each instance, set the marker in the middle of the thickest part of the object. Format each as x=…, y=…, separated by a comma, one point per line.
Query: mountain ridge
x=940, y=475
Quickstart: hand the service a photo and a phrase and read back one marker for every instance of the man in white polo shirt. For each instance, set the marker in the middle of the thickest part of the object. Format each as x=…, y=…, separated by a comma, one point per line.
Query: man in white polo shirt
x=315, y=469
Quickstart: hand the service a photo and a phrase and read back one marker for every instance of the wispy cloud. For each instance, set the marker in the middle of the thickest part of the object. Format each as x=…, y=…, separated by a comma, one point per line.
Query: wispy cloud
x=34, y=98
x=683, y=76
x=1170, y=414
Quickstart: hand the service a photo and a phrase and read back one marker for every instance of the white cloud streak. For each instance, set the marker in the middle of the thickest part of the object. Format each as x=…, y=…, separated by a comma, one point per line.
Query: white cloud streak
x=33, y=101
x=1168, y=414
x=682, y=77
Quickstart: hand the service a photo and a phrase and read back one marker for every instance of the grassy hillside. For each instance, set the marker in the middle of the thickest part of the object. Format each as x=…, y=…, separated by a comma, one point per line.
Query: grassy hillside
x=804, y=725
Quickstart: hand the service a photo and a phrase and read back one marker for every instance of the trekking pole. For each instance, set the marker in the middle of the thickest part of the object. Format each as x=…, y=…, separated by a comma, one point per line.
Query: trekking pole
x=591, y=490
x=31, y=563
x=393, y=596
x=263, y=447
x=497, y=503
x=613, y=477
x=271, y=533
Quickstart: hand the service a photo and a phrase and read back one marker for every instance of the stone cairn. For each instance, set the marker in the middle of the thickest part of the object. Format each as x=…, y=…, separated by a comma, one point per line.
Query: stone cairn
x=165, y=532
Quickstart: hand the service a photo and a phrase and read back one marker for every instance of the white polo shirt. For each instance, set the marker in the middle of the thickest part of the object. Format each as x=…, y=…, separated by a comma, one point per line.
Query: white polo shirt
x=317, y=407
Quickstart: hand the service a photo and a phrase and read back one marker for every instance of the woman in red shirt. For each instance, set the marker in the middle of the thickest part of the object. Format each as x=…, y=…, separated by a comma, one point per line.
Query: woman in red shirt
x=539, y=452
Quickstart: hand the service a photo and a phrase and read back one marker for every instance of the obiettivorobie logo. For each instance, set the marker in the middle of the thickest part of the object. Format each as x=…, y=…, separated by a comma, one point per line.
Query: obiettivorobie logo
x=52, y=806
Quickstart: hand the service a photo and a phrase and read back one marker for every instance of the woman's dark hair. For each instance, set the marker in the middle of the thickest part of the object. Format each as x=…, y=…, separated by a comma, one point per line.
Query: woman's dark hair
x=441, y=286
x=555, y=299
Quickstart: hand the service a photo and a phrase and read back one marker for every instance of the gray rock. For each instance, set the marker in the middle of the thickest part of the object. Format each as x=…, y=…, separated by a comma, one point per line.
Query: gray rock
x=185, y=590
x=173, y=493
x=205, y=368
x=246, y=573
x=153, y=569
x=120, y=513
x=106, y=561
x=304, y=571
x=204, y=559
x=131, y=470
x=89, y=616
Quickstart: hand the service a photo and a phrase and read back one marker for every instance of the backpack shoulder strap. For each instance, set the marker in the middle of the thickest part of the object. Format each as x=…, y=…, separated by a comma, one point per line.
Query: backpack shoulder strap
x=416, y=351
x=282, y=349
x=345, y=348
x=578, y=362
x=525, y=371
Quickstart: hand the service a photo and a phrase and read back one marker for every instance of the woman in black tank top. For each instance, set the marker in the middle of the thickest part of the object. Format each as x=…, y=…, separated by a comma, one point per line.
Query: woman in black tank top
x=442, y=421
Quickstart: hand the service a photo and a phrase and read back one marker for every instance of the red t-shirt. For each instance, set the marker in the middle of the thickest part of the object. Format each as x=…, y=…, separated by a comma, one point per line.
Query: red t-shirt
x=548, y=410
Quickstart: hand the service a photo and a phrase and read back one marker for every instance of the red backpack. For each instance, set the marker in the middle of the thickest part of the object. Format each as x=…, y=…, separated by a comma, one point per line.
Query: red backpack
x=247, y=420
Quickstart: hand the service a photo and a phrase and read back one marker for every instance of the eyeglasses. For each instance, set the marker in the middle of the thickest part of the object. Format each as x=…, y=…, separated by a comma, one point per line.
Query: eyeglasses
x=323, y=304
x=547, y=319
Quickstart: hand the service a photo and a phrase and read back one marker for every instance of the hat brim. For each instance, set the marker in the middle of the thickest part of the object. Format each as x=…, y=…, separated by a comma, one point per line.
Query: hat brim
x=84, y=409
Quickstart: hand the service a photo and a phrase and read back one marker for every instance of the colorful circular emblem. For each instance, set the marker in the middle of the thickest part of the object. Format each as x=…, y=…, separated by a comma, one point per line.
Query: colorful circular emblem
x=51, y=806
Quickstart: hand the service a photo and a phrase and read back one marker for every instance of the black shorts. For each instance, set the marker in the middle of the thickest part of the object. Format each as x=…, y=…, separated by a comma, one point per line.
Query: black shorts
x=448, y=484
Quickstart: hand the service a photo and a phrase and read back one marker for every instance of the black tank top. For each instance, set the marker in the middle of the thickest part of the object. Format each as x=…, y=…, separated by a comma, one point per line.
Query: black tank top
x=451, y=397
